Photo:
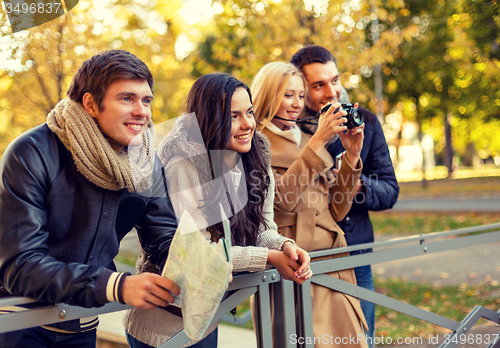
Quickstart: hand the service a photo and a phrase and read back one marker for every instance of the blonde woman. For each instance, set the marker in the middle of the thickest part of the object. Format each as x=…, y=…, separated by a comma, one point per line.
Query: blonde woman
x=304, y=184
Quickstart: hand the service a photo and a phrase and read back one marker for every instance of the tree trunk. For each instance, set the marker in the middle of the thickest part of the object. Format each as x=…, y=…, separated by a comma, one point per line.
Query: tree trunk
x=419, y=119
x=420, y=138
x=448, y=150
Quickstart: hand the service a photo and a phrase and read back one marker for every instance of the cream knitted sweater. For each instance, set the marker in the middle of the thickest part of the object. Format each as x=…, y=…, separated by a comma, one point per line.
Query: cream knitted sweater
x=156, y=326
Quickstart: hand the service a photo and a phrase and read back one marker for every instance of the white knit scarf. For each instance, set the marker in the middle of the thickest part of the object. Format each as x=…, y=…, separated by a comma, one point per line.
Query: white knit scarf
x=132, y=168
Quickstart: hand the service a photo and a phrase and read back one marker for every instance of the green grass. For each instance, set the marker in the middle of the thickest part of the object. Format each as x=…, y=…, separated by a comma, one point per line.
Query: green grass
x=453, y=302
x=468, y=187
x=403, y=223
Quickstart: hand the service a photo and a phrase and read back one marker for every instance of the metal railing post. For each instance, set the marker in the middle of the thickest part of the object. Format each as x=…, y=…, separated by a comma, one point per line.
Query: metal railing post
x=284, y=312
x=263, y=320
x=305, y=319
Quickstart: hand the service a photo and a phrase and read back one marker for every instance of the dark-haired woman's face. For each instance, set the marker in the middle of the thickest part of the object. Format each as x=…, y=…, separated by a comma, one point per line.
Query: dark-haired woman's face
x=242, y=122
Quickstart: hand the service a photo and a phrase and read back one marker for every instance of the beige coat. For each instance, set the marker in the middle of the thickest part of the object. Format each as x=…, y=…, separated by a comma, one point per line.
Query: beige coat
x=302, y=211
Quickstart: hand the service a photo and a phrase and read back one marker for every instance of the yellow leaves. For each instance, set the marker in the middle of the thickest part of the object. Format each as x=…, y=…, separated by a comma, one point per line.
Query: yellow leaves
x=156, y=59
x=457, y=53
x=392, y=86
x=242, y=32
x=480, y=66
x=424, y=101
x=404, y=12
x=5, y=83
x=276, y=51
x=409, y=32
x=158, y=103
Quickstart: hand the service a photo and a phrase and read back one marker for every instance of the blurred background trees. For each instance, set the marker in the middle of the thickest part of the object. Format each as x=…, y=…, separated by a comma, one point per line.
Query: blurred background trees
x=39, y=63
x=437, y=62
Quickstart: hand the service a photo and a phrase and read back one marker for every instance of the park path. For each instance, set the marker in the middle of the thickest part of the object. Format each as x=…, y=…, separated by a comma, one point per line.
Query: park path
x=454, y=204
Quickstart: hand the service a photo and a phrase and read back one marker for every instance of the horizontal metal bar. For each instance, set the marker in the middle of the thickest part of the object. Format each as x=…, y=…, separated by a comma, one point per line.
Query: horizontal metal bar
x=50, y=315
x=254, y=278
x=15, y=301
x=405, y=308
x=325, y=266
x=404, y=240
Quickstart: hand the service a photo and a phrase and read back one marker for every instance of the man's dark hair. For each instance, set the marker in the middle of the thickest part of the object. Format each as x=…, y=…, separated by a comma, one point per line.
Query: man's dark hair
x=312, y=54
x=99, y=71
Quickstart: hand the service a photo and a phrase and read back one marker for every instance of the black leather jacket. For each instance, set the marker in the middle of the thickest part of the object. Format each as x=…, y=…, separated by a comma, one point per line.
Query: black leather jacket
x=59, y=232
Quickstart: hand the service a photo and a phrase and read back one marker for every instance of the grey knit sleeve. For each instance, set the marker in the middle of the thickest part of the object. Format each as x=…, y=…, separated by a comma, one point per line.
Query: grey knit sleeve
x=269, y=237
x=185, y=190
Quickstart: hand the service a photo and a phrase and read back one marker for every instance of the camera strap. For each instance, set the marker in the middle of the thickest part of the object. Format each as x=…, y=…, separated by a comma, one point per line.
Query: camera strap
x=306, y=120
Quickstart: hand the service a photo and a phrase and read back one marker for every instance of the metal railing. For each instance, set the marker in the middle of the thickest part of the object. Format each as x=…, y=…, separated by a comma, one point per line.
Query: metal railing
x=292, y=303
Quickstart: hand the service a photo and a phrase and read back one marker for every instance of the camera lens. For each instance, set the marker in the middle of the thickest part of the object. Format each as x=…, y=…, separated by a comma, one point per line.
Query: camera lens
x=355, y=118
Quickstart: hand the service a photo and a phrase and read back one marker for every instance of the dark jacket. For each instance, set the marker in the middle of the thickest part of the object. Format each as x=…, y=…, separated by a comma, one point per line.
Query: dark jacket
x=59, y=232
x=380, y=187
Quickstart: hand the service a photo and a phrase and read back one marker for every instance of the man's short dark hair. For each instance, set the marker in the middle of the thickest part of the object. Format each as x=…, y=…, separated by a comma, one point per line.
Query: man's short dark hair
x=99, y=71
x=312, y=54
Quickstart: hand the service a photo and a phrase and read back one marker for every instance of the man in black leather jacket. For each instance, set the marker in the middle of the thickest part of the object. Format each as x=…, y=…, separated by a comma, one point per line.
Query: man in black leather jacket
x=72, y=188
x=378, y=188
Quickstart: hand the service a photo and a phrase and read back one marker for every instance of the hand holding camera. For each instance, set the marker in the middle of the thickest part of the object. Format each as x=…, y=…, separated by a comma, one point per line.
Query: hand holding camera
x=331, y=121
x=352, y=138
x=355, y=116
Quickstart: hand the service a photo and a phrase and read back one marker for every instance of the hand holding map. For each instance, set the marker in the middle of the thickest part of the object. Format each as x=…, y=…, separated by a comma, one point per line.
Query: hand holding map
x=201, y=273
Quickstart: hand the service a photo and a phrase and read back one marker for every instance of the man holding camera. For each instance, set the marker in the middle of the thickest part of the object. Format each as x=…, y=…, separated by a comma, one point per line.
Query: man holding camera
x=379, y=189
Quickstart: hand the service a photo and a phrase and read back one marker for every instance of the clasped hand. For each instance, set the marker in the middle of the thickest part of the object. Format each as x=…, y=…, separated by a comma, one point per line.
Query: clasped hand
x=292, y=262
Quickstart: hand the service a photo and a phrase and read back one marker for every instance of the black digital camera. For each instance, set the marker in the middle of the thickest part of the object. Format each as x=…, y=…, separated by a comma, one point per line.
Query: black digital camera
x=355, y=116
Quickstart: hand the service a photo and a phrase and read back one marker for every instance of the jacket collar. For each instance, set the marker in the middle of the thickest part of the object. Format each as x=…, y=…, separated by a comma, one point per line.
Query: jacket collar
x=284, y=151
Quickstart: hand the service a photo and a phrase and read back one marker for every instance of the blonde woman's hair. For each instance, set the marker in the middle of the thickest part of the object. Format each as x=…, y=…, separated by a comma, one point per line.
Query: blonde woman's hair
x=268, y=89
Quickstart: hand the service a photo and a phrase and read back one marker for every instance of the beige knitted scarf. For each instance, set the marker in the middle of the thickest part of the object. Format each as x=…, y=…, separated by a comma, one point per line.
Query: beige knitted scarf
x=132, y=168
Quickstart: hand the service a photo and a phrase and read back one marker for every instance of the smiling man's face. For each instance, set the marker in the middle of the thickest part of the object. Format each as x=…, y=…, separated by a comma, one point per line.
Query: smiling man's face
x=324, y=84
x=125, y=112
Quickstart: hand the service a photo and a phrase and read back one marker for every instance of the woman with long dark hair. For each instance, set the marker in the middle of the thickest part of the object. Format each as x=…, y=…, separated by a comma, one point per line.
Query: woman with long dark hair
x=214, y=156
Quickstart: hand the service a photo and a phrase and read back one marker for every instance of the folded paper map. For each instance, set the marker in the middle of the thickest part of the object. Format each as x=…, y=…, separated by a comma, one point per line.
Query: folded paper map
x=202, y=274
